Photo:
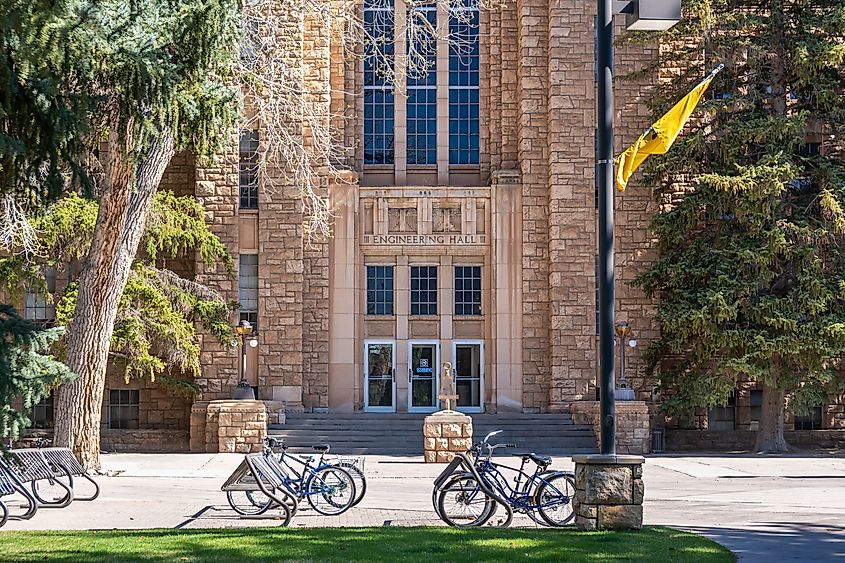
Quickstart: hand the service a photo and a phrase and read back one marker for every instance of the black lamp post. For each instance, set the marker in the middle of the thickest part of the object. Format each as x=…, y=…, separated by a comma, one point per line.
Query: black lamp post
x=645, y=15
x=244, y=391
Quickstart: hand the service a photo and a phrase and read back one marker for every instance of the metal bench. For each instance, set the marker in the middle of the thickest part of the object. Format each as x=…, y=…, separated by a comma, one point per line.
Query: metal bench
x=10, y=484
x=63, y=457
x=30, y=466
x=258, y=472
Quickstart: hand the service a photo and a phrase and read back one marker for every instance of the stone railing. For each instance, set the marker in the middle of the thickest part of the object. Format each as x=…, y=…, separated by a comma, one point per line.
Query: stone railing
x=632, y=424
x=228, y=426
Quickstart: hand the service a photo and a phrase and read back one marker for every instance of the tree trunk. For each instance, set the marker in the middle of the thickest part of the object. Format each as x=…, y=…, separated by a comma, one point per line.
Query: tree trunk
x=770, y=432
x=120, y=225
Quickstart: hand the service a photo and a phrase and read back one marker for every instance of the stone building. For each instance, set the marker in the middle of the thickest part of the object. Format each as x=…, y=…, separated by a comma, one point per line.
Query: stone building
x=465, y=233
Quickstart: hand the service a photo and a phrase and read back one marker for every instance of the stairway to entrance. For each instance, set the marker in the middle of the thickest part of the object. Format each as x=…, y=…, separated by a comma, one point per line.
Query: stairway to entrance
x=401, y=434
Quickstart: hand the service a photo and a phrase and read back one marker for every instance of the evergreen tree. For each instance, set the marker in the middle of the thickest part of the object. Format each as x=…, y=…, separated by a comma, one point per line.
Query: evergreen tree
x=155, y=327
x=751, y=274
x=150, y=77
x=27, y=371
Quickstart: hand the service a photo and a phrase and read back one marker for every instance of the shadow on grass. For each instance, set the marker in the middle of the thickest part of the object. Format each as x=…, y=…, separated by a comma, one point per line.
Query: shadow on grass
x=360, y=544
x=780, y=541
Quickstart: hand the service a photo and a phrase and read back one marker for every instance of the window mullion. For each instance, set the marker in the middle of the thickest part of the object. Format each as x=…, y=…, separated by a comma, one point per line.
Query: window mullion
x=443, y=95
x=400, y=142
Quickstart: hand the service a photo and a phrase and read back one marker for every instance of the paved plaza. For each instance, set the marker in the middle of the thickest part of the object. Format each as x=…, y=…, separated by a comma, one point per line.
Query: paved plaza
x=762, y=508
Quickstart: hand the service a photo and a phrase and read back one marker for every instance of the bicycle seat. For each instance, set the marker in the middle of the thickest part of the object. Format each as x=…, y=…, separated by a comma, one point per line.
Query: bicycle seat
x=321, y=447
x=541, y=460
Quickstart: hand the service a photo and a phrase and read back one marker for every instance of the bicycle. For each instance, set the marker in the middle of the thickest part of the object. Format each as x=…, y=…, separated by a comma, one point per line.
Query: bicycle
x=469, y=498
x=328, y=488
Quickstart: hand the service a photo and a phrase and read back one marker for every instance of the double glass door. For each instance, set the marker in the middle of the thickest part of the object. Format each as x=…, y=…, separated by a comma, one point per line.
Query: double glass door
x=424, y=372
x=423, y=375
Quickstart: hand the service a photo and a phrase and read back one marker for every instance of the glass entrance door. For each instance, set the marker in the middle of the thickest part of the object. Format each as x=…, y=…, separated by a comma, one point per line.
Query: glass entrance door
x=469, y=375
x=379, y=371
x=423, y=362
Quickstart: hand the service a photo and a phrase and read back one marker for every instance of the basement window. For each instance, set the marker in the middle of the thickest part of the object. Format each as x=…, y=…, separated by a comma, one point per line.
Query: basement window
x=812, y=421
x=124, y=409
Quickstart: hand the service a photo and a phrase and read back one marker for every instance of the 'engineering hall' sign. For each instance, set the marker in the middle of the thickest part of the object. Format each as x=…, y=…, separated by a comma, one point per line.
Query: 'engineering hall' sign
x=425, y=240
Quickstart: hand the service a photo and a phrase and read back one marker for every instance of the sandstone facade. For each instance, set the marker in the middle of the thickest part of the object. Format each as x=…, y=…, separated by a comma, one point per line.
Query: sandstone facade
x=524, y=214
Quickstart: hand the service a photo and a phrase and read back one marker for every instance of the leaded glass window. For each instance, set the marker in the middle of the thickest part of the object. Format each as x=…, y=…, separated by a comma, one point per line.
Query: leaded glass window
x=379, y=290
x=422, y=85
x=38, y=307
x=378, y=88
x=248, y=286
x=464, y=59
x=467, y=290
x=423, y=290
x=248, y=169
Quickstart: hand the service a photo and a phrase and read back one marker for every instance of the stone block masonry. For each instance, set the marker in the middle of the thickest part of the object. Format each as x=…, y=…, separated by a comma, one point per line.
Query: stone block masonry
x=446, y=433
x=609, y=492
x=228, y=426
x=633, y=435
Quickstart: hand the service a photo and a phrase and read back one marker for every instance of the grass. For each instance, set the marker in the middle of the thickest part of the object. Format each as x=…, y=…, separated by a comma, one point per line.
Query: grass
x=430, y=545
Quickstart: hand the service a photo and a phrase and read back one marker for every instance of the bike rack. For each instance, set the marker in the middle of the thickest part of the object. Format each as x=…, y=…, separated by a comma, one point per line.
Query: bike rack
x=10, y=483
x=462, y=460
x=30, y=466
x=65, y=459
x=264, y=474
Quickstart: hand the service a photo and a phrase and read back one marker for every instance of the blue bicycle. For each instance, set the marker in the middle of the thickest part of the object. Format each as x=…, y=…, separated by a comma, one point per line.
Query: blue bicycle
x=470, y=498
x=328, y=488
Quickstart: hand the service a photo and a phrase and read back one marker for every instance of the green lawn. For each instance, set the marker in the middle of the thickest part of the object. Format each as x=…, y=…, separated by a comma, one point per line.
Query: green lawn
x=429, y=545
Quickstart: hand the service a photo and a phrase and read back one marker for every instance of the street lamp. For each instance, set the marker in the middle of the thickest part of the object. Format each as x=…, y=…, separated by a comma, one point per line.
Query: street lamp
x=654, y=12
x=624, y=336
x=244, y=391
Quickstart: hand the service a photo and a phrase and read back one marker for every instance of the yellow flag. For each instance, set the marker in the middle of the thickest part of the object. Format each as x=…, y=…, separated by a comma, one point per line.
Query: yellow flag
x=661, y=135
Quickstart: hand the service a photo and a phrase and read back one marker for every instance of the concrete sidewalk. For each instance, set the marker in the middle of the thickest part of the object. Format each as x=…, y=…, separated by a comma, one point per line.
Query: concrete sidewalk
x=763, y=508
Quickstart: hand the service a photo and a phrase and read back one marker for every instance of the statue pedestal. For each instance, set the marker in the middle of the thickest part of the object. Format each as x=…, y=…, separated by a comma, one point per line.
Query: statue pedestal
x=446, y=433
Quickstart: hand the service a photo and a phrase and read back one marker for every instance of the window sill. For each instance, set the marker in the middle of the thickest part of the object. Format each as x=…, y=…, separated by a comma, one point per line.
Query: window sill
x=468, y=317
x=248, y=211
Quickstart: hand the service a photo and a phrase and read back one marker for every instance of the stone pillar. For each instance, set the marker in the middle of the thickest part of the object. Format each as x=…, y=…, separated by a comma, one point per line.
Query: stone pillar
x=608, y=492
x=506, y=225
x=228, y=426
x=446, y=433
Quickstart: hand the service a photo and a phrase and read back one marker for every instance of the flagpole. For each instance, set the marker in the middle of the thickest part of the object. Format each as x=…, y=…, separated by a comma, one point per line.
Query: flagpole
x=607, y=379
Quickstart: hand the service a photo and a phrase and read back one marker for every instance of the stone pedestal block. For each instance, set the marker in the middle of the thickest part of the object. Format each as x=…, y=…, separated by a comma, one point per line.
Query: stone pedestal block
x=633, y=434
x=228, y=426
x=608, y=492
x=446, y=433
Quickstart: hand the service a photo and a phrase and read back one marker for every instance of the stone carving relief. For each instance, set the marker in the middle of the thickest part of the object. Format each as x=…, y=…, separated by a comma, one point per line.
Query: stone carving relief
x=446, y=220
x=402, y=220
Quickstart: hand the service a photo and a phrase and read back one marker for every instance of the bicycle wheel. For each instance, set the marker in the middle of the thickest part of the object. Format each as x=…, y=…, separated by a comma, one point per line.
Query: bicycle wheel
x=358, y=477
x=462, y=503
x=330, y=490
x=248, y=503
x=554, y=499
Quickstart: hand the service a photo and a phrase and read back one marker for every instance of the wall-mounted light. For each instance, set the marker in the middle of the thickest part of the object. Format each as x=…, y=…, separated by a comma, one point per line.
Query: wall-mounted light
x=652, y=15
